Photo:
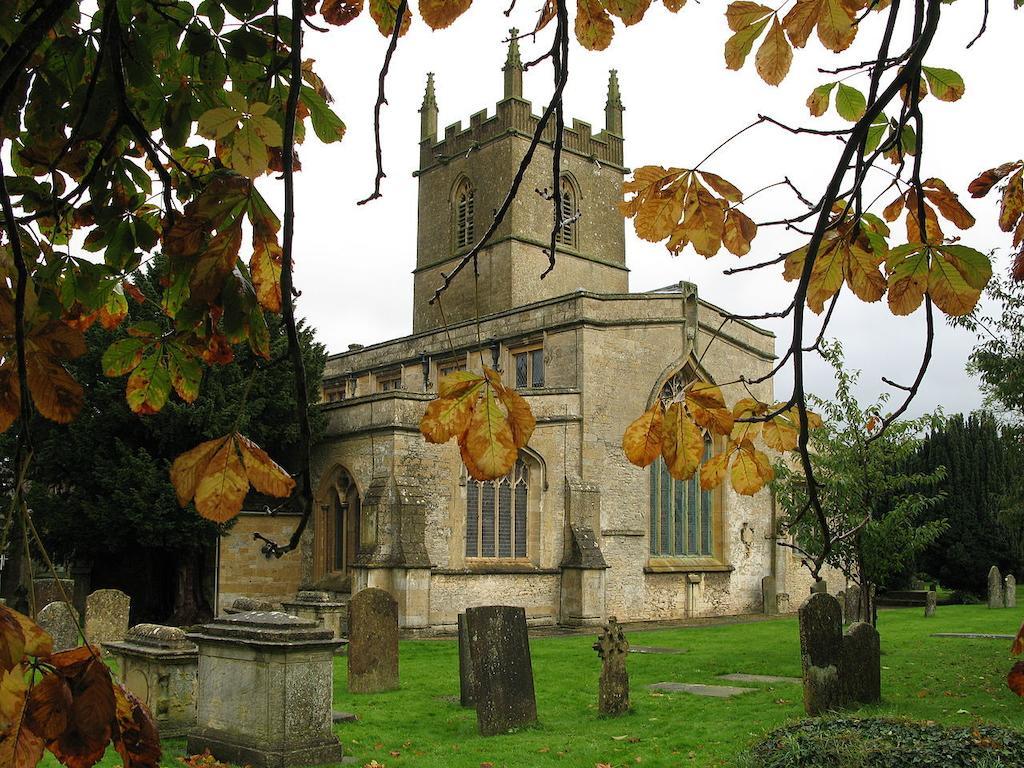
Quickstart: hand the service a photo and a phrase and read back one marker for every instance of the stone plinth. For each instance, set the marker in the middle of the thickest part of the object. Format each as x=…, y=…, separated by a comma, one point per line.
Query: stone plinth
x=160, y=665
x=322, y=607
x=265, y=690
x=502, y=670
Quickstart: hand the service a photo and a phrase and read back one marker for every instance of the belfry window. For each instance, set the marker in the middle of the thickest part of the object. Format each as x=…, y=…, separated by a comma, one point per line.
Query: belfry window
x=463, y=210
x=496, y=515
x=569, y=212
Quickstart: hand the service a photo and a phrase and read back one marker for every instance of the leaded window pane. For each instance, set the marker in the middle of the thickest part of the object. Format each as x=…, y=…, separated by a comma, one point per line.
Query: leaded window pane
x=537, y=366
x=472, y=519
x=504, y=518
x=487, y=521
x=522, y=364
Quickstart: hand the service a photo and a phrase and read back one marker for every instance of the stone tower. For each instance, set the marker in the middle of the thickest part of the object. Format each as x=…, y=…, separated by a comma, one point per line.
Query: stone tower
x=465, y=175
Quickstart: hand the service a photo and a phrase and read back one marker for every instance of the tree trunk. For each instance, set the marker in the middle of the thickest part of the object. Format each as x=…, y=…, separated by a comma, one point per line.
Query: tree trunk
x=190, y=604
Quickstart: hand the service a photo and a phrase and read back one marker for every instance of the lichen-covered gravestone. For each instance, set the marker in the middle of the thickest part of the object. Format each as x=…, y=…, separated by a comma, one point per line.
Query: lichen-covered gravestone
x=265, y=691
x=60, y=619
x=769, y=595
x=852, y=604
x=861, y=669
x=106, y=616
x=50, y=590
x=613, y=688
x=500, y=649
x=930, y=601
x=466, y=682
x=821, y=652
x=372, y=642
x=1010, y=591
x=160, y=665
x=995, y=588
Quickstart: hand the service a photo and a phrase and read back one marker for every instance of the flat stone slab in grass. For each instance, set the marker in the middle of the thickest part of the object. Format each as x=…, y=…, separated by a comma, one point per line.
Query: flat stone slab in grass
x=344, y=717
x=714, y=691
x=654, y=649
x=973, y=636
x=740, y=677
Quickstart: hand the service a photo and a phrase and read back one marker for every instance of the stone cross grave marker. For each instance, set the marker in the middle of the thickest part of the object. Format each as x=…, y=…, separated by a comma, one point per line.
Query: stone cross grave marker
x=1010, y=591
x=821, y=652
x=372, y=641
x=106, y=616
x=466, y=682
x=995, y=588
x=499, y=647
x=613, y=688
x=60, y=619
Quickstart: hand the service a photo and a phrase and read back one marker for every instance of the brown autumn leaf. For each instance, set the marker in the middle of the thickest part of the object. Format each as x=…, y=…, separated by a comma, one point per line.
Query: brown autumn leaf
x=340, y=12
x=712, y=471
x=520, y=418
x=1018, y=643
x=642, y=439
x=682, y=443
x=265, y=474
x=988, y=179
x=222, y=485
x=739, y=233
x=775, y=56
x=834, y=20
x=37, y=640
x=385, y=12
x=629, y=11
x=12, y=639
x=49, y=706
x=135, y=738
x=265, y=267
x=20, y=747
x=1015, y=679
x=441, y=13
x=706, y=406
x=489, y=440
x=594, y=28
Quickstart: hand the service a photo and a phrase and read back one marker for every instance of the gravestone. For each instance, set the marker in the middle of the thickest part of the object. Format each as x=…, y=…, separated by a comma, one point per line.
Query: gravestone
x=60, y=619
x=861, y=669
x=249, y=604
x=820, y=587
x=265, y=691
x=821, y=652
x=500, y=650
x=466, y=683
x=930, y=601
x=1010, y=591
x=160, y=665
x=613, y=688
x=769, y=596
x=372, y=641
x=50, y=590
x=106, y=616
x=995, y=588
x=852, y=604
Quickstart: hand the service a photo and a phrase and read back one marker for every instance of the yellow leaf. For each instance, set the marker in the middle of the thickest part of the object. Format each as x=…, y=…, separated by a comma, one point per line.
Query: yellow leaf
x=265, y=267
x=489, y=439
x=37, y=640
x=724, y=188
x=742, y=14
x=265, y=474
x=455, y=383
x=908, y=278
x=520, y=417
x=748, y=471
x=704, y=222
x=739, y=232
x=682, y=444
x=641, y=441
x=780, y=434
x=826, y=275
x=594, y=28
x=738, y=47
x=948, y=203
x=948, y=288
x=449, y=416
x=630, y=11
x=774, y=56
x=221, y=491
x=441, y=13
x=56, y=394
x=707, y=406
x=190, y=466
x=863, y=273
x=712, y=471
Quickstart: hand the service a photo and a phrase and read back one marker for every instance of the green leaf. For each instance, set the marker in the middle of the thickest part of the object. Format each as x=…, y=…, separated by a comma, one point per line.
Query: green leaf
x=850, y=103
x=218, y=122
x=149, y=385
x=875, y=133
x=326, y=124
x=945, y=84
x=198, y=40
x=267, y=128
x=122, y=356
x=185, y=372
x=248, y=152
x=974, y=266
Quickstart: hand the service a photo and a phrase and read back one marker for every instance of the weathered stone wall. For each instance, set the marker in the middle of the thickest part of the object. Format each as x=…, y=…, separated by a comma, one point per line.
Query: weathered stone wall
x=245, y=572
x=452, y=594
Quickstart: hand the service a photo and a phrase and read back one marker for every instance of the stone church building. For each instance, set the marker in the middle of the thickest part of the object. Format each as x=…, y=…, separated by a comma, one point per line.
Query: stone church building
x=574, y=533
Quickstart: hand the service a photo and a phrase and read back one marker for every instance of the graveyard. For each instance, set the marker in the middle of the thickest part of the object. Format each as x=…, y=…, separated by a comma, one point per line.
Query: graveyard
x=948, y=680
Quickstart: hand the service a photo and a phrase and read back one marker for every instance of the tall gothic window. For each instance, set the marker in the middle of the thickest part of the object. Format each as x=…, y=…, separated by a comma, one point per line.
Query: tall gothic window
x=569, y=213
x=496, y=515
x=463, y=210
x=682, y=516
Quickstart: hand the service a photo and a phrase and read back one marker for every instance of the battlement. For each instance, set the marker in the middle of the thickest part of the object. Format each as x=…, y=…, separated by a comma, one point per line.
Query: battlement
x=514, y=116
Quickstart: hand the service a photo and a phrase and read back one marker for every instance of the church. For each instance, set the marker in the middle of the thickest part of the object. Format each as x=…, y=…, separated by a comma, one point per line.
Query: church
x=574, y=533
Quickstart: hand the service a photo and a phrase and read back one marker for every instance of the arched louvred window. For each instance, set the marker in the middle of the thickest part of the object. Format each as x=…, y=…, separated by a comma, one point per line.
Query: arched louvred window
x=463, y=210
x=497, y=515
x=569, y=212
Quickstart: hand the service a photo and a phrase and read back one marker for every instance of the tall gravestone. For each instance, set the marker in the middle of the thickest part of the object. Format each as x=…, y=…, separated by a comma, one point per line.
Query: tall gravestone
x=60, y=620
x=372, y=641
x=50, y=590
x=821, y=652
x=106, y=616
x=500, y=650
x=1010, y=591
x=995, y=588
x=466, y=682
x=613, y=687
x=930, y=601
x=265, y=691
x=852, y=604
x=769, y=595
x=861, y=670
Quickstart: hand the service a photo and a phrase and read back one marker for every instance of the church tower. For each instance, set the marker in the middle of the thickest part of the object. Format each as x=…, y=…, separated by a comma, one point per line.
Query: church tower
x=465, y=175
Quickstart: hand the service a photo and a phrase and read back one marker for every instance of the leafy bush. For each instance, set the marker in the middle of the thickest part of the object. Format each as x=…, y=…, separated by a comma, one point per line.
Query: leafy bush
x=885, y=743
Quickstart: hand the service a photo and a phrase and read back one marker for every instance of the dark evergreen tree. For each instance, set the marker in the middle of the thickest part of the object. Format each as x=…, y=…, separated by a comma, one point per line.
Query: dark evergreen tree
x=101, y=492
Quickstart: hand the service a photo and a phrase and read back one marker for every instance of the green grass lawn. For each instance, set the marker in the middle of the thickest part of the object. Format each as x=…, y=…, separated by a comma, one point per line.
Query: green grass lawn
x=951, y=681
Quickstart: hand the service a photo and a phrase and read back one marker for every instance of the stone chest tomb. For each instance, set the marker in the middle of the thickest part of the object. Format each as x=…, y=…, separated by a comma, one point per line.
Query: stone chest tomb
x=160, y=666
x=265, y=689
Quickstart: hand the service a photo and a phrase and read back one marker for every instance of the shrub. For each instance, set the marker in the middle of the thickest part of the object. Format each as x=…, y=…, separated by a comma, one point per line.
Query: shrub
x=885, y=743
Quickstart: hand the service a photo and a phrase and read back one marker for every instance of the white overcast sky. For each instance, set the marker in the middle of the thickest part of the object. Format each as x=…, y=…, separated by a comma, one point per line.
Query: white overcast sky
x=354, y=263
